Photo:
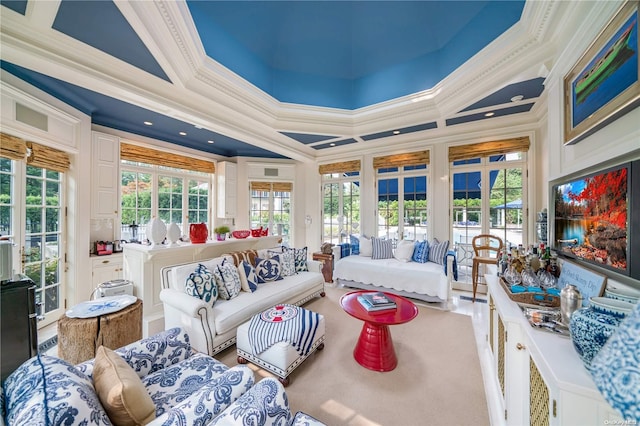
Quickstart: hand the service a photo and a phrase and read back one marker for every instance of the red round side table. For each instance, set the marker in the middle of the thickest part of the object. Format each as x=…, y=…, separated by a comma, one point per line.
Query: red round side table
x=374, y=349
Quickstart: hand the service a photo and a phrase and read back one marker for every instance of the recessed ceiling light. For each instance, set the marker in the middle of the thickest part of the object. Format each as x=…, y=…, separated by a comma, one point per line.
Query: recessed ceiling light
x=197, y=126
x=396, y=132
x=332, y=144
x=490, y=114
x=517, y=98
x=183, y=133
x=148, y=123
x=209, y=141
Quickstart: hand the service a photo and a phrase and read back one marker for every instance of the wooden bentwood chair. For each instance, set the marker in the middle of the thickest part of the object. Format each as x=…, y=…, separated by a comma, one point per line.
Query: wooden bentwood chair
x=486, y=249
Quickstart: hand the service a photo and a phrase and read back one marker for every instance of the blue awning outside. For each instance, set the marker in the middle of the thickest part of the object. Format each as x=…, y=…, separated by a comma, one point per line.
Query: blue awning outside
x=516, y=204
x=465, y=186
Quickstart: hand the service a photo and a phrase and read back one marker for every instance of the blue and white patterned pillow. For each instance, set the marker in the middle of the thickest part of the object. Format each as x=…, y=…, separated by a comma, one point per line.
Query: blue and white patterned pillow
x=202, y=285
x=355, y=244
x=381, y=249
x=227, y=279
x=299, y=258
x=437, y=251
x=287, y=261
x=268, y=270
x=421, y=252
x=49, y=390
x=248, y=278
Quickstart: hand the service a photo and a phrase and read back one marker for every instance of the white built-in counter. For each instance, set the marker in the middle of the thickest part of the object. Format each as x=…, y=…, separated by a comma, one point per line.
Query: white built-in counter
x=142, y=265
x=538, y=376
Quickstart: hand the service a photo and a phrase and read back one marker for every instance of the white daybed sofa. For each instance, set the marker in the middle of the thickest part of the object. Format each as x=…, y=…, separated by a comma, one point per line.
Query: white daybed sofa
x=213, y=328
x=422, y=281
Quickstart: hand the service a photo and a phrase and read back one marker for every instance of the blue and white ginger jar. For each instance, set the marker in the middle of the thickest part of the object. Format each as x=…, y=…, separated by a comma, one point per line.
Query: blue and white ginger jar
x=592, y=326
x=616, y=368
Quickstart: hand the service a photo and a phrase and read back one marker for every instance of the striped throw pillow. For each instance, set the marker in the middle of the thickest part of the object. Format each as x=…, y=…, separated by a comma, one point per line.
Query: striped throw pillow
x=381, y=249
x=437, y=251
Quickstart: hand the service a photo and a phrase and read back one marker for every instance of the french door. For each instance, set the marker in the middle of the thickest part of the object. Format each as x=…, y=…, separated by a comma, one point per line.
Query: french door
x=32, y=217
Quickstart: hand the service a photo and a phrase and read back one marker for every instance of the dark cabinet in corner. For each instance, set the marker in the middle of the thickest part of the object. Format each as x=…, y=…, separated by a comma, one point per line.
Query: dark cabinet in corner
x=19, y=323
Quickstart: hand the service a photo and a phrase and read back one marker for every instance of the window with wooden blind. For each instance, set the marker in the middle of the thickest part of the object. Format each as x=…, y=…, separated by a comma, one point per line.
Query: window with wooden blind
x=271, y=207
x=32, y=206
x=176, y=189
x=140, y=154
x=34, y=154
x=488, y=149
x=488, y=191
x=351, y=168
x=402, y=192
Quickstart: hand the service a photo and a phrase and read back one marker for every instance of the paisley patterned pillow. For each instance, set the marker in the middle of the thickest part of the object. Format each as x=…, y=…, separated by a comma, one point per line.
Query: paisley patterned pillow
x=268, y=270
x=299, y=258
x=201, y=284
x=49, y=390
x=227, y=279
x=287, y=261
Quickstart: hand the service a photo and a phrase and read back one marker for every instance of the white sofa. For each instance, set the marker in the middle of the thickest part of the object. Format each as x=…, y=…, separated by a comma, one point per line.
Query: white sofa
x=422, y=281
x=213, y=328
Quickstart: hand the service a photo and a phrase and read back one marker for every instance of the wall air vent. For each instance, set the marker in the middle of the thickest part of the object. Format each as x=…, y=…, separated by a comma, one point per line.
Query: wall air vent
x=270, y=172
x=31, y=117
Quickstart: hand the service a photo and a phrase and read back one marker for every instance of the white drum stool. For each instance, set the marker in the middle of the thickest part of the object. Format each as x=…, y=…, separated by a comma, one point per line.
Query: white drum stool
x=281, y=358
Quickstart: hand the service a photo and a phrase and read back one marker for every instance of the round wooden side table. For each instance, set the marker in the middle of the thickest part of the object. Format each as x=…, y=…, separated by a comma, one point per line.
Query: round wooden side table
x=79, y=338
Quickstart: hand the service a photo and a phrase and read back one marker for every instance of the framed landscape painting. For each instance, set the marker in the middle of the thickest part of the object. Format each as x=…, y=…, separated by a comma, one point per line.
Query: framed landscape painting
x=605, y=83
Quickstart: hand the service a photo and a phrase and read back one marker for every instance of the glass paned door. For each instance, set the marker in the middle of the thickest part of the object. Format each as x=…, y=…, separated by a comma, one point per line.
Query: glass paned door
x=467, y=206
x=415, y=208
x=331, y=213
x=42, y=243
x=388, y=208
x=505, y=210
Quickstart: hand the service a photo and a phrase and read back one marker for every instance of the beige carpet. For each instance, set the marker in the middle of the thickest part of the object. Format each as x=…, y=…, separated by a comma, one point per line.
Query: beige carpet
x=437, y=382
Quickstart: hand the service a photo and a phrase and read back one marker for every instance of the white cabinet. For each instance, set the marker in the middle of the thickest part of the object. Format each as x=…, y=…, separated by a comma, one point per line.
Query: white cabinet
x=105, y=176
x=227, y=176
x=106, y=268
x=536, y=377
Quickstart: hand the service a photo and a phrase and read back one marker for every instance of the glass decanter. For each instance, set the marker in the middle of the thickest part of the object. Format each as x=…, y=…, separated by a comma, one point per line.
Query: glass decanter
x=512, y=276
x=529, y=278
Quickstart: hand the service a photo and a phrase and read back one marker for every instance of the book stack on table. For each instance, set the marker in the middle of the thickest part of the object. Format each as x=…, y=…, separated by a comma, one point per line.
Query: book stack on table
x=377, y=301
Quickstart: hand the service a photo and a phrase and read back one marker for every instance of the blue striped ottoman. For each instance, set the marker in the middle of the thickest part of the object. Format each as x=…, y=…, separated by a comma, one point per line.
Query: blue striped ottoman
x=280, y=338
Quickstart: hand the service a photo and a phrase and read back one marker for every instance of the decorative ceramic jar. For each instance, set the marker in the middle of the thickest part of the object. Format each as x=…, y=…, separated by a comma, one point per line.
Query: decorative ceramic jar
x=630, y=295
x=615, y=368
x=198, y=233
x=156, y=231
x=173, y=234
x=590, y=327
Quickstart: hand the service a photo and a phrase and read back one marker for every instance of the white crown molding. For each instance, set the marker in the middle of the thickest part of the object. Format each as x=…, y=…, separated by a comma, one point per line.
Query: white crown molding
x=206, y=93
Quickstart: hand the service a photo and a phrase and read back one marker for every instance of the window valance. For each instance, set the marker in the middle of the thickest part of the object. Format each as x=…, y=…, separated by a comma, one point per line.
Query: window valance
x=271, y=186
x=401, y=160
x=342, y=167
x=141, y=154
x=12, y=147
x=487, y=149
x=35, y=154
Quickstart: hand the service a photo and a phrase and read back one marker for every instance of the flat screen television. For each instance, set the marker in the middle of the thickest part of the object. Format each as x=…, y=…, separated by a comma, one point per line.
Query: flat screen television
x=596, y=218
